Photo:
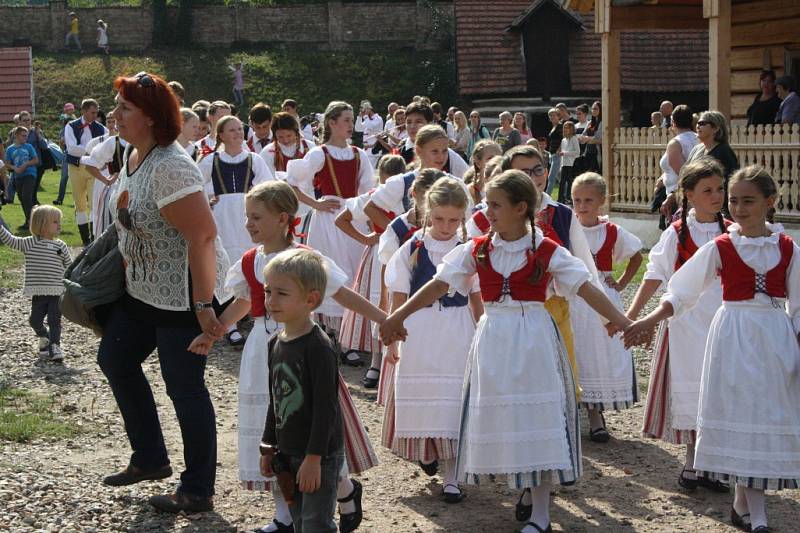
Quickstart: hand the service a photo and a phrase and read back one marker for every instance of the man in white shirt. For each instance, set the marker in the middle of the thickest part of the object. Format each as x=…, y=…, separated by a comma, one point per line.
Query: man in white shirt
x=370, y=125
x=389, y=124
x=77, y=135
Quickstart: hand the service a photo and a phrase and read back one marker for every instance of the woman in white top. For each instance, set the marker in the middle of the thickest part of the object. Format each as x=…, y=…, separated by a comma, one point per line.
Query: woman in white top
x=569, y=152
x=462, y=133
x=336, y=171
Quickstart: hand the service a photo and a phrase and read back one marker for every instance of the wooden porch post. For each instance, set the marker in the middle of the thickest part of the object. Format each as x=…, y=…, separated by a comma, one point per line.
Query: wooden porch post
x=718, y=13
x=610, y=78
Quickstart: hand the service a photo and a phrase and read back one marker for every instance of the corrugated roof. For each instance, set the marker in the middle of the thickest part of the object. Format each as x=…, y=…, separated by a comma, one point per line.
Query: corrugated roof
x=15, y=82
x=489, y=58
x=652, y=61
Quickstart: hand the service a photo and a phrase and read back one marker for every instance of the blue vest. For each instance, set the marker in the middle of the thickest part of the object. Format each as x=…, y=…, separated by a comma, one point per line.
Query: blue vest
x=562, y=221
x=401, y=229
x=423, y=272
x=231, y=177
x=77, y=129
x=408, y=180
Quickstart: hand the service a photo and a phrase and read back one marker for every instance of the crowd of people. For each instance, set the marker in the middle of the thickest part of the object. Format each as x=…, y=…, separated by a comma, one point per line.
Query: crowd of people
x=434, y=236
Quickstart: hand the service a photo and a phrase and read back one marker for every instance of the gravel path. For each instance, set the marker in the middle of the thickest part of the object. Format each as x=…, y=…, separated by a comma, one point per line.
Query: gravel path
x=628, y=484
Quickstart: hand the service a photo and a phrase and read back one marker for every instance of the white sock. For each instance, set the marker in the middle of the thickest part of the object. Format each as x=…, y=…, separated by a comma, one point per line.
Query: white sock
x=344, y=490
x=540, y=516
x=282, y=513
x=688, y=464
x=595, y=420
x=81, y=218
x=526, y=497
x=377, y=358
x=232, y=328
x=757, y=505
x=740, y=501
x=449, y=476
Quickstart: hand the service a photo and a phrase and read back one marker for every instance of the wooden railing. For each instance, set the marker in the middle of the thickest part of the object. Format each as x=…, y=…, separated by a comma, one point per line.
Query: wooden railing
x=637, y=152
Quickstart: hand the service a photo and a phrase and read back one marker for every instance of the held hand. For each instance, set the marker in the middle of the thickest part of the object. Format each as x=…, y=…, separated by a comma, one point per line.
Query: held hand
x=201, y=344
x=372, y=239
x=209, y=324
x=614, y=284
x=265, y=465
x=640, y=332
x=309, y=475
x=613, y=329
x=392, y=329
x=331, y=205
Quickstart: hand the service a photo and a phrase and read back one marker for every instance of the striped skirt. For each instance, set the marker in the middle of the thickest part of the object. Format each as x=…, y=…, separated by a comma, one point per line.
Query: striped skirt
x=356, y=330
x=358, y=449
x=657, y=413
x=385, y=381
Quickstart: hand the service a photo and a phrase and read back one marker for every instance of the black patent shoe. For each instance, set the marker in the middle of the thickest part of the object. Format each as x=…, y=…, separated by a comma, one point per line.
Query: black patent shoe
x=713, y=485
x=762, y=529
x=688, y=483
x=371, y=383
x=132, y=475
x=351, y=358
x=548, y=529
x=453, y=497
x=182, y=501
x=350, y=521
x=738, y=520
x=280, y=527
x=430, y=468
x=523, y=512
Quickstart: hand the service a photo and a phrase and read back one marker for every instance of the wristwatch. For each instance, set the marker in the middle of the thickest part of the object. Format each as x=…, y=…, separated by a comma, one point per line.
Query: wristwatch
x=199, y=306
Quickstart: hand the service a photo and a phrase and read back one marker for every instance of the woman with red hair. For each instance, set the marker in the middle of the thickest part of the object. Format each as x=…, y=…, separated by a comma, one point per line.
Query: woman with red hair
x=174, y=264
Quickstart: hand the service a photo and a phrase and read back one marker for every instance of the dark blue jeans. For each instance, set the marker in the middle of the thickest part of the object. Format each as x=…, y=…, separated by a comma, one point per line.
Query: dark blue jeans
x=126, y=343
x=62, y=185
x=313, y=512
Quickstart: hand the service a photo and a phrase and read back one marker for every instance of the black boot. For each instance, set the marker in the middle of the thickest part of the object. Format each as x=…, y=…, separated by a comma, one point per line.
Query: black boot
x=86, y=234
x=91, y=232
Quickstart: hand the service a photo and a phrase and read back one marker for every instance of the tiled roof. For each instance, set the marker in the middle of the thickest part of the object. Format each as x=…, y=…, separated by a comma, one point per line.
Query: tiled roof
x=489, y=59
x=15, y=82
x=652, y=61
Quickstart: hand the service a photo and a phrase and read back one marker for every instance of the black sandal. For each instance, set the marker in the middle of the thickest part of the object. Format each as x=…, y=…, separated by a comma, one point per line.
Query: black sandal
x=738, y=520
x=713, y=485
x=430, y=468
x=523, y=512
x=688, y=483
x=281, y=527
x=235, y=342
x=600, y=434
x=548, y=529
x=354, y=361
x=450, y=497
x=350, y=521
x=371, y=383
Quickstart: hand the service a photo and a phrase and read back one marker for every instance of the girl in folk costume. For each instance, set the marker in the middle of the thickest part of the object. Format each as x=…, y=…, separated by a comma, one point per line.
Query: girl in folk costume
x=748, y=420
x=519, y=415
x=674, y=389
x=215, y=111
x=287, y=144
x=484, y=151
x=104, y=163
x=607, y=376
x=399, y=231
x=188, y=134
x=431, y=149
x=357, y=332
x=422, y=412
x=337, y=171
x=271, y=208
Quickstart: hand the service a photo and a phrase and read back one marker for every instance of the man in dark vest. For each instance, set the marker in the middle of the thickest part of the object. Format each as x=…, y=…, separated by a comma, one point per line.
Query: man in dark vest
x=77, y=135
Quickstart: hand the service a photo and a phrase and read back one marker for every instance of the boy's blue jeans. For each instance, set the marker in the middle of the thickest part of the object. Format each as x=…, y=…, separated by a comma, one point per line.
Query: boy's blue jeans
x=313, y=512
x=62, y=185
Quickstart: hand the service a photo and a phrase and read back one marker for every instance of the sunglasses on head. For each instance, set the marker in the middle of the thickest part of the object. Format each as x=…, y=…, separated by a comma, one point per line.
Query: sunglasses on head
x=144, y=80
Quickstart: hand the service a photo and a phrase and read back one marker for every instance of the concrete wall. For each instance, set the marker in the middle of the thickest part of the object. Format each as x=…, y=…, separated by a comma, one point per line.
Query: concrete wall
x=328, y=26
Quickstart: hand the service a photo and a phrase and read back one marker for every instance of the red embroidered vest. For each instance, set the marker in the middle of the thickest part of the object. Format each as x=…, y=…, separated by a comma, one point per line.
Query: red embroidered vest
x=338, y=178
x=258, y=306
x=494, y=286
x=281, y=160
x=603, y=259
x=480, y=220
x=688, y=249
x=740, y=282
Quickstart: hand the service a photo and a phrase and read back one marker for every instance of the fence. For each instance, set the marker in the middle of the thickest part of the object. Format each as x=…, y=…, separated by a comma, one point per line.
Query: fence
x=637, y=152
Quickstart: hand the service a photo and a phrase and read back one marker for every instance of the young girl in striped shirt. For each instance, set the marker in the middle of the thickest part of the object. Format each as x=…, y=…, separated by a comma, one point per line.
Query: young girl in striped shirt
x=46, y=259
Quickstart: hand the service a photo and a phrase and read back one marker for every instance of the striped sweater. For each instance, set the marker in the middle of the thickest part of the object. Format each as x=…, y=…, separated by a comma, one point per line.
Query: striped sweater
x=45, y=263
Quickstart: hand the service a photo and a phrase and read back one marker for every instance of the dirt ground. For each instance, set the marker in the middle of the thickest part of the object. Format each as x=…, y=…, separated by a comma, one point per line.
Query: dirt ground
x=628, y=484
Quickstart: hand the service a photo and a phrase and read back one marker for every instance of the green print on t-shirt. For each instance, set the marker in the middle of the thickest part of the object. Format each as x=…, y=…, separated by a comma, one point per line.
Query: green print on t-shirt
x=287, y=394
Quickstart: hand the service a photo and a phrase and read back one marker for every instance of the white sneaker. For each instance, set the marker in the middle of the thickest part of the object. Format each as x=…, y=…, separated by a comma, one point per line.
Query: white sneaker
x=55, y=353
x=44, y=346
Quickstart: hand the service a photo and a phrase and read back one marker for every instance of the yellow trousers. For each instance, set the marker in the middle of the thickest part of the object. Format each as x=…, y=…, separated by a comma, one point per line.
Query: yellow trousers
x=82, y=184
x=558, y=308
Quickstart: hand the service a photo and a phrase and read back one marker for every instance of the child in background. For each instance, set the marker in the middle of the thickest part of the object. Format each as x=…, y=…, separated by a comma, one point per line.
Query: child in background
x=303, y=428
x=569, y=152
x=674, y=389
x=356, y=334
x=422, y=415
x=484, y=151
x=21, y=160
x=519, y=415
x=607, y=377
x=748, y=420
x=46, y=259
x=400, y=230
x=271, y=209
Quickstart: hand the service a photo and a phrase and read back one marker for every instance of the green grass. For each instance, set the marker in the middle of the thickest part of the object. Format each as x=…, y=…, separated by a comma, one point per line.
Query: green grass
x=10, y=260
x=619, y=269
x=26, y=416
